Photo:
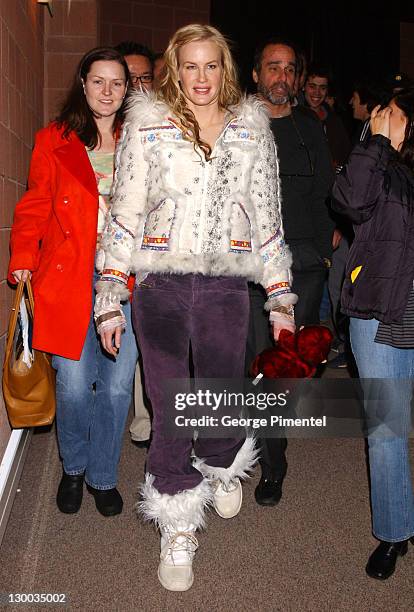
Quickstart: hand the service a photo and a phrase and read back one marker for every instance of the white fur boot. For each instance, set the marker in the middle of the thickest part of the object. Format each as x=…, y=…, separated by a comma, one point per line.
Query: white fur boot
x=178, y=517
x=225, y=482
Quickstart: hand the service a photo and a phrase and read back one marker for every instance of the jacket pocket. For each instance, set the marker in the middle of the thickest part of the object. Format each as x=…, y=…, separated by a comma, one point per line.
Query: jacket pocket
x=55, y=267
x=240, y=230
x=158, y=225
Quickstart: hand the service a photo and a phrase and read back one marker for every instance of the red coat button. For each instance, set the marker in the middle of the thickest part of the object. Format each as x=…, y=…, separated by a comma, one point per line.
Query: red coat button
x=59, y=267
x=67, y=234
x=65, y=199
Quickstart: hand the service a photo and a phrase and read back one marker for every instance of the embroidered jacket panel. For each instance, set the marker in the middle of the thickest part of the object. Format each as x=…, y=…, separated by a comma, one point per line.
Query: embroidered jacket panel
x=173, y=212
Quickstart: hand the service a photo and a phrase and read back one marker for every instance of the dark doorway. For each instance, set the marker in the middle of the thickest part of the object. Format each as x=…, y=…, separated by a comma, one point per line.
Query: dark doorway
x=353, y=44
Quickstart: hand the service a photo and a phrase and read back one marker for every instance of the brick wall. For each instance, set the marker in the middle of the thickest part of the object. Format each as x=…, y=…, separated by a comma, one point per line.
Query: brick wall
x=21, y=114
x=38, y=55
x=68, y=35
x=151, y=22
x=407, y=48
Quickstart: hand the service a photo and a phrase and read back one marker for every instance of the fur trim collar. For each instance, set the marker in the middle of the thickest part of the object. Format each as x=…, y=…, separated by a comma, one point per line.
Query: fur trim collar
x=251, y=112
x=145, y=109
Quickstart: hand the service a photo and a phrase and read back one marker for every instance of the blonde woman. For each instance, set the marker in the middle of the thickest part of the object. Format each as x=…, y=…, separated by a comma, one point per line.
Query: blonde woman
x=195, y=216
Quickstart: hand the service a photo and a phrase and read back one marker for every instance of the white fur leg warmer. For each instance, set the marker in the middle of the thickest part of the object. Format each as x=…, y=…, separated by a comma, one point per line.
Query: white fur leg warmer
x=243, y=463
x=164, y=510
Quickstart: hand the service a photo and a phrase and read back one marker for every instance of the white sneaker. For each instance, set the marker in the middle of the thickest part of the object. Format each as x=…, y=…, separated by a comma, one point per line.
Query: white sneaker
x=175, y=571
x=228, y=498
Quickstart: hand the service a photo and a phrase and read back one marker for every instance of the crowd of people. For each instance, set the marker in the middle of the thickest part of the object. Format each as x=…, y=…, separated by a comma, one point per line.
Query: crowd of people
x=168, y=211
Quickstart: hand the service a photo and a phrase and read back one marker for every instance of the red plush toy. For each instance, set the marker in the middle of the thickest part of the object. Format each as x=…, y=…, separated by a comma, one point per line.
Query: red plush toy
x=295, y=355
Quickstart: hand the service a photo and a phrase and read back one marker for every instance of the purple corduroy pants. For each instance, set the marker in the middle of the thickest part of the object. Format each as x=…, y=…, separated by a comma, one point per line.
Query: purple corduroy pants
x=169, y=311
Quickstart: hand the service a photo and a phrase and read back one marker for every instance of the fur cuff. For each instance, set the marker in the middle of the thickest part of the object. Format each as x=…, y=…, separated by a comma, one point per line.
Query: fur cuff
x=287, y=299
x=172, y=510
x=243, y=463
x=112, y=290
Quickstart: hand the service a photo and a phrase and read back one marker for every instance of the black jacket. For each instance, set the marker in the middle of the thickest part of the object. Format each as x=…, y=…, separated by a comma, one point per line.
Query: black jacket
x=376, y=192
x=306, y=174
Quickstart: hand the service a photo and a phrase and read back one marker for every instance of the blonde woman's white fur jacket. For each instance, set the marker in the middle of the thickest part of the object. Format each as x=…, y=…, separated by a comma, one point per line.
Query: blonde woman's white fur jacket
x=173, y=212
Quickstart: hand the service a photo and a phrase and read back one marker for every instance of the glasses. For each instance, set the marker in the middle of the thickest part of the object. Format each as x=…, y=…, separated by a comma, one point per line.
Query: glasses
x=308, y=155
x=144, y=78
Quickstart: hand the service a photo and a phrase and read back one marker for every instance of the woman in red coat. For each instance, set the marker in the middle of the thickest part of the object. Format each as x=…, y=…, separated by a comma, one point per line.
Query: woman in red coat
x=55, y=239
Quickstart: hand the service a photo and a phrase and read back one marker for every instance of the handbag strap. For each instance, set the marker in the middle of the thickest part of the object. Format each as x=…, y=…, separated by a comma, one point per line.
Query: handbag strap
x=30, y=295
x=16, y=309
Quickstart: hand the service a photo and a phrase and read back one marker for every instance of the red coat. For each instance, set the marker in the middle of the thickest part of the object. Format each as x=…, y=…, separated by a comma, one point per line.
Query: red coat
x=54, y=235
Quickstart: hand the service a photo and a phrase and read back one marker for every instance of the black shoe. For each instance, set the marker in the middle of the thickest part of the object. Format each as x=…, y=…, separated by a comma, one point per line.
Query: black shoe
x=268, y=492
x=141, y=443
x=381, y=564
x=70, y=493
x=108, y=501
x=337, y=345
x=340, y=361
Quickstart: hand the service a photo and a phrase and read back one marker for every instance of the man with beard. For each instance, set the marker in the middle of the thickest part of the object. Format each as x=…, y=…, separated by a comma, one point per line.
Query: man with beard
x=306, y=175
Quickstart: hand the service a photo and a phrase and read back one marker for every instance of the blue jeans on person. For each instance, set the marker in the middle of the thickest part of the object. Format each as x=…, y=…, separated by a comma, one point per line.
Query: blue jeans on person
x=93, y=396
x=392, y=499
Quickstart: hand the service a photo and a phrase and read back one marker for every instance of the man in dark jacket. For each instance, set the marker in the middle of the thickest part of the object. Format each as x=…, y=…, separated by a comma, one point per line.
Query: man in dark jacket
x=306, y=174
x=316, y=87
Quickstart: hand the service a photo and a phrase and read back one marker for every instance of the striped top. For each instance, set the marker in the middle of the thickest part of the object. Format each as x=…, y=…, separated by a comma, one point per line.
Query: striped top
x=399, y=335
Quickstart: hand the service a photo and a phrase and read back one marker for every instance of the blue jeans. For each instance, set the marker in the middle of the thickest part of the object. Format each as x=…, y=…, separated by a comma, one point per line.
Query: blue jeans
x=93, y=396
x=391, y=487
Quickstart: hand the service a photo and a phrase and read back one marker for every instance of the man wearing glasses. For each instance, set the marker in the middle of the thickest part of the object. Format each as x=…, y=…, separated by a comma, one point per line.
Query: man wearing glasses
x=306, y=176
x=140, y=64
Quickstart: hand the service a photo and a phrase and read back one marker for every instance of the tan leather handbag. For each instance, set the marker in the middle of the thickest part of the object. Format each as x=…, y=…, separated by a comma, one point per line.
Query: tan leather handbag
x=29, y=392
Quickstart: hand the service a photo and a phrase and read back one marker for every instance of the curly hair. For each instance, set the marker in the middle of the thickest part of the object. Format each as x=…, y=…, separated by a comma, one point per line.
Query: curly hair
x=170, y=90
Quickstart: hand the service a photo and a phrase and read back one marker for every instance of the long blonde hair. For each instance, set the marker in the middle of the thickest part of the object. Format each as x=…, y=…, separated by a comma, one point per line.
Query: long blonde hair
x=170, y=90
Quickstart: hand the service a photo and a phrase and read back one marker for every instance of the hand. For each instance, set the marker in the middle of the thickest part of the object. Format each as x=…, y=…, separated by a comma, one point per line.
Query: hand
x=111, y=340
x=336, y=238
x=283, y=322
x=380, y=121
x=21, y=274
